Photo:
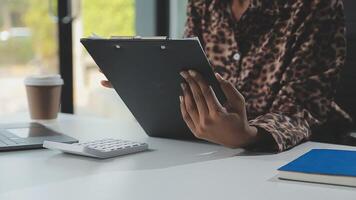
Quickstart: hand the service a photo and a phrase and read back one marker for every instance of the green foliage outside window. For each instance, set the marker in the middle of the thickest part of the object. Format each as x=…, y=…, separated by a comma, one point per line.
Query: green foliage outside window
x=102, y=17
x=108, y=17
x=43, y=29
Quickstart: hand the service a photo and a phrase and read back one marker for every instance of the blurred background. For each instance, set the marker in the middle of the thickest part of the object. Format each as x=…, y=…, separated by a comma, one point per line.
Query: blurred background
x=42, y=37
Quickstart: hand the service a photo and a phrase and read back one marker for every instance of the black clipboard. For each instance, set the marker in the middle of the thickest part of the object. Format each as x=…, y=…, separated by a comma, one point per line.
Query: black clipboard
x=145, y=74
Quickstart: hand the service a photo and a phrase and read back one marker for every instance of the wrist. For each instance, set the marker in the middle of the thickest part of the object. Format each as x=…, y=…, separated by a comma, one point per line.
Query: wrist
x=248, y=137
x=261, y=140
x=252, y=135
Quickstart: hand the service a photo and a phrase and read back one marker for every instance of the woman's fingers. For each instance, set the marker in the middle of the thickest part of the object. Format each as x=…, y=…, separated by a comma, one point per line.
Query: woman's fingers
x=186, y=117
x=210, y=97
x=233, y=96
x=197, y=95
x=106, y=84
x=190, y=104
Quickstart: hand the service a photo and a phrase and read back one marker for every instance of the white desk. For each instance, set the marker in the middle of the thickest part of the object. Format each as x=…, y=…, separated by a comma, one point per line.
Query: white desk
x=172, y=170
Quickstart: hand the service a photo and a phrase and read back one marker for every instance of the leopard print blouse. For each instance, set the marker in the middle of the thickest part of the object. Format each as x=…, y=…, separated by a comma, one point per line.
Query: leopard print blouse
x=284, y=56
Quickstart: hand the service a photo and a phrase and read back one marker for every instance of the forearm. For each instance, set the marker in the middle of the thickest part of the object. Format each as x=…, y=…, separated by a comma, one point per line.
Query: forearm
x=279, y=132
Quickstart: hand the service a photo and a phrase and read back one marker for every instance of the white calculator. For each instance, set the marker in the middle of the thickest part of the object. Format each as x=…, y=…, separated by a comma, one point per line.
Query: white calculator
x=105, y=148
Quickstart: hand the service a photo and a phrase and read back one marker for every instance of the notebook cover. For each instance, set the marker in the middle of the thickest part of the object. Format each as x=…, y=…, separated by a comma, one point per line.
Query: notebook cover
x=324, y=161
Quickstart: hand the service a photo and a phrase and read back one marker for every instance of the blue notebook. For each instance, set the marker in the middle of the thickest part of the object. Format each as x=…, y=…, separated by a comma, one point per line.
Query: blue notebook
x=322, y=166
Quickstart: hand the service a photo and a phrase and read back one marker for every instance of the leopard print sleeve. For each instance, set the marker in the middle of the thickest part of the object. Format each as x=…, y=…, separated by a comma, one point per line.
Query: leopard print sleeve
x=195, y=10
x=308, y=82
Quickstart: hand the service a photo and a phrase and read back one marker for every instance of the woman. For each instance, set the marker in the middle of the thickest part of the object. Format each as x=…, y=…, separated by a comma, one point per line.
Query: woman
x=277, y=62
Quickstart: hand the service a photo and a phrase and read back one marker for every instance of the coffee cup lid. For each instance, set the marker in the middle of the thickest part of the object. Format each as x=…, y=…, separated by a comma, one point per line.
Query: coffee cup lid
x=44, y=80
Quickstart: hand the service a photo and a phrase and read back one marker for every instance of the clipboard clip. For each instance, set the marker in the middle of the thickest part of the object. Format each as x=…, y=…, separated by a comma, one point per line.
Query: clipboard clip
x=140, y=37
x=117, y=46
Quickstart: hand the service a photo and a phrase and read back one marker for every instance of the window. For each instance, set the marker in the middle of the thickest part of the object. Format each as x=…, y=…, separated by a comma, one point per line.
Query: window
x=28, y=45
x=177, y=17
x=107, y=18
x=103, y=18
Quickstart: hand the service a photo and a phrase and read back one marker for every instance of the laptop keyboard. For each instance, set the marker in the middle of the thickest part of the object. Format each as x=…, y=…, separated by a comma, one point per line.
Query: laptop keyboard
x=8, y=139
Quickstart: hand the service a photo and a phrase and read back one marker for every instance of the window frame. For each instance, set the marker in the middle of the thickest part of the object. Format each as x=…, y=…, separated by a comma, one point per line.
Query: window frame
x=65, y=55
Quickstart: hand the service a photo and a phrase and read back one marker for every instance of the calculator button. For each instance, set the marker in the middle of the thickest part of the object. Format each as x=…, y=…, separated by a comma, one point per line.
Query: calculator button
x=113, y=147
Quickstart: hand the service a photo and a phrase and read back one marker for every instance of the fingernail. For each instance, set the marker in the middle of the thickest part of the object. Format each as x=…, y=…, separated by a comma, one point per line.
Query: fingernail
x=192, y=73
x=183, y=74
x=181, y=99
x=218, y=76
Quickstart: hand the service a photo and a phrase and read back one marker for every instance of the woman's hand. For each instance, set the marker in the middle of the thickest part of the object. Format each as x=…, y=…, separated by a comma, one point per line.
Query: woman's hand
x=208, y=119
x=105, y=83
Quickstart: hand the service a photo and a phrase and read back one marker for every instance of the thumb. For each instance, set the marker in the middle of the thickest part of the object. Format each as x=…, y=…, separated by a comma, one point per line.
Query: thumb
x=233, y=96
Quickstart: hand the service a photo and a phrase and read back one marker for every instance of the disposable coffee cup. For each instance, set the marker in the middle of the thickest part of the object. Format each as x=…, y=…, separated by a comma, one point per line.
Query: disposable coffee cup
x=43, y=95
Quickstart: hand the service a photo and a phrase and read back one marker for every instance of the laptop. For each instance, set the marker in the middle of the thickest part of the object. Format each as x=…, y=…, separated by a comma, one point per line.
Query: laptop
x=145, y=74
x=29, y=136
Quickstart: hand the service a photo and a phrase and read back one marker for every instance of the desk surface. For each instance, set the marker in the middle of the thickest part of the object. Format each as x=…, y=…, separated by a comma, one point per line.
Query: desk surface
x=171, y=170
